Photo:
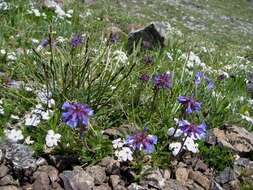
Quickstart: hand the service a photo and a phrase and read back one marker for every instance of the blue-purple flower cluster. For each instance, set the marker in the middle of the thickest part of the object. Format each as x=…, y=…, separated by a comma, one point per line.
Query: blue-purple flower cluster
x=198, y=78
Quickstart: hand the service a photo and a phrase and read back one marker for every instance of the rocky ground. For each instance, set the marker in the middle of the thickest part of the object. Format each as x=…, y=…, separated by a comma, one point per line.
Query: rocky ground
x=19, y=170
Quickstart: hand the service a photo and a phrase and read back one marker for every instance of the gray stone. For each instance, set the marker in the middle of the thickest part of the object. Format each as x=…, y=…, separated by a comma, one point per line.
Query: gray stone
x=112, y=166
x=174, y=185
x=8, y=187
x=51, y=172
x=116, y=181
x=78, y=179
x=199, y=178
x=215, y=186
x=41, y=161
x=3, y=170
x=135, y=186
x=236, y=138
x=8, y=180
x=201, y=166
x=225, y=176
x=153, y=178
x=102, y=187
x=182, y=175
x=42, y=182
x=152, y=35
x=1, y=156
x=98, y=173
x=167, y=174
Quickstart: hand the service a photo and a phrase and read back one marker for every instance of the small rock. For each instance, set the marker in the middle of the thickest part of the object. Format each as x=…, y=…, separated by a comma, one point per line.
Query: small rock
x=153, y=178
x=225, y=176
x=102, y=187
x=236, y=138
x=112, y=166
x=153, y=34
x=41, y=161
x=135, y=186
x=193, y=186
x=77, y=179
x=1, y=156
x=182, y=175
x=98, y=173
x=3, y=170
x=201, y=166
x=116, y=181
x=51, y=171
x=215, y=186
x=9, y=187
x=42, y=182
x=8, y=180
x=199, y=178
x=174, y=185
x=167, y=174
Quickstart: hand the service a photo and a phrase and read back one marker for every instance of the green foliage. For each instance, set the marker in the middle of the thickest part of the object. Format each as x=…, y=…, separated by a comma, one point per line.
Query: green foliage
x=216, y=157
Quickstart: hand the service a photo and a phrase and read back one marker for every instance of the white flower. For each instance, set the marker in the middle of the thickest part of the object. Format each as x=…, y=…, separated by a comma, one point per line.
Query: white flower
x=169, y=56
x=52, y=138
x=14, y=135
x=2, y=51
x=171, y=131
x=35, y=41
x=32, y=119
x=175, y=147
x=247, y=118
x=117, y=143
x=28, y=140
x=190, y=145
x=11, y=56
x=43, y=95
x=125, y=154
x=3, y=5
x=120, y=56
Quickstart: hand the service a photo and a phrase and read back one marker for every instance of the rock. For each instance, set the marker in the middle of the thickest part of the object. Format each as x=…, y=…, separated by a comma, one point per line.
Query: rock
x=98, y=173
x=51, y=172
x=215, y=186
x=199, y=178
x=182, y=175
x=166, y=174
x=8, y=180
x=112, y=166
x=193, y=186
x=153, y=178
x=41, y=161
x=151, y=36
x=9, y=187
x=1, y=156
x=135, y=186
x=3, y=170
x=225, y=176
x=201, y=166
x=236, y=138
x=63, y=162
x=174, y=185
x=77, y=179
x=116, y=181
x=42, y=182
x=102, y=187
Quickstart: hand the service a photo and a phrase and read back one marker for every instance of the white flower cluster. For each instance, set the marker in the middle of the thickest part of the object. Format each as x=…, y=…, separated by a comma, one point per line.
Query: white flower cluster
x=52, y=138
x=14, y=135
x=189, y=144
x=247, y=118
x=34, y=117
x=121, y=152
x=1, y=107
x=120, y=56
x=3, y=5
x=57, y=9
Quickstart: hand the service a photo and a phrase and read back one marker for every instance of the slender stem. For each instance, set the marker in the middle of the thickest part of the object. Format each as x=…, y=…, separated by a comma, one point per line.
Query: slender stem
x=182, y=145
x=152, y=107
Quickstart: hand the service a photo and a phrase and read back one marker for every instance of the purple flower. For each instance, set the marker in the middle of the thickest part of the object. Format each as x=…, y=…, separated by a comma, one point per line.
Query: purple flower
x=209, y=83
x=147, y=59
x=197, y=80
x=144, y=77
x=191, y=129
x=114, y=37
x=189, y=103
x=76, y=40
x=75, y=113
x=140, y=140
x=197, y=77
x=221, y=77
x=44, y=42
x=162, y=80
